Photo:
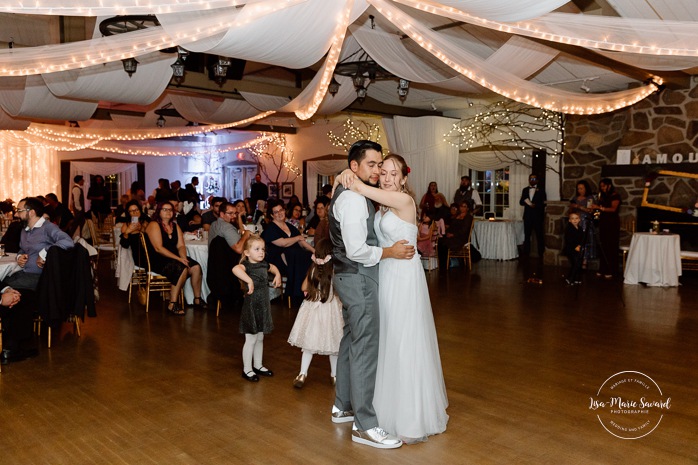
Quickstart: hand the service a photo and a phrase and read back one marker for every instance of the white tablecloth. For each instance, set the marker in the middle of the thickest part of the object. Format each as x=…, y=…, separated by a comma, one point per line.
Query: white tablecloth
x=498, y=240
x=8, y=265
x=654, y=259
x=198, y=250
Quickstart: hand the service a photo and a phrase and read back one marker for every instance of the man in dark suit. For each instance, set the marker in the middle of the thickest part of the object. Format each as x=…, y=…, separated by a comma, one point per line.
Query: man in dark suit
x=533, y=200
x=17, y=324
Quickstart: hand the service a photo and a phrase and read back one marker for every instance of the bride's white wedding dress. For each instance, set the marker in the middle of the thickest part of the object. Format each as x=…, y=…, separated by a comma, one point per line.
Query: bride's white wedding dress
x=410, y=396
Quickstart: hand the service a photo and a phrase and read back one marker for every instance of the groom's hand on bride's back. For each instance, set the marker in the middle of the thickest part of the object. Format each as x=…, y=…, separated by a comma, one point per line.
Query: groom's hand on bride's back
x=400, y=250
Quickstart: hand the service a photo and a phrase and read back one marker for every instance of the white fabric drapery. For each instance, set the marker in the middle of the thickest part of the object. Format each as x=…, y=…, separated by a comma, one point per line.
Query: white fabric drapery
x=503, y=82
x=429, y=157
x=313, y=168
x=204, y=110
x=34, y=100
x=127, y=172
x=110, y=82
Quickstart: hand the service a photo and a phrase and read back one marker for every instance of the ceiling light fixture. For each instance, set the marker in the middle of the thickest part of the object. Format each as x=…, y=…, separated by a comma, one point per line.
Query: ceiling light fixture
x=160, y=122
x=178, y=66
x=220, y=70
x=364, y=71
x=333, y=87
x=130, y=66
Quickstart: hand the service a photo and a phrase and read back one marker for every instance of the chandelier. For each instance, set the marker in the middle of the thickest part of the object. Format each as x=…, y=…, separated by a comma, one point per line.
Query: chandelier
x=364, y=71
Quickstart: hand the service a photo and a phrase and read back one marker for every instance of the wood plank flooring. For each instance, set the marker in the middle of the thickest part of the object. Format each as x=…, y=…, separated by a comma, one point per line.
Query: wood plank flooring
x=521, y=362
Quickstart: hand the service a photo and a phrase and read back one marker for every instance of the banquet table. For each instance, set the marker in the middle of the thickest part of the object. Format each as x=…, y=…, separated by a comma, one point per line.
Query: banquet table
x=654, y=259
x=196, y=249
x=498, y=240
x=8, y=265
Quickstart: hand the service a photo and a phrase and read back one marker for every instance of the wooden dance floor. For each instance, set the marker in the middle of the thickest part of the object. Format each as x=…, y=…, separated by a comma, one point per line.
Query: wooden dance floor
x=521, y=362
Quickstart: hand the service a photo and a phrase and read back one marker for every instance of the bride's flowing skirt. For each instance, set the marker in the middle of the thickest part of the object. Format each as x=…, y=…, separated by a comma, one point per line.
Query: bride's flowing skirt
x=410, y=396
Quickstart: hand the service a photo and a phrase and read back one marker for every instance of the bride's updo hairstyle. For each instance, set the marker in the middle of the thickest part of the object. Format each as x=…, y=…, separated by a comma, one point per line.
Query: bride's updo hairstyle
x=404, y=170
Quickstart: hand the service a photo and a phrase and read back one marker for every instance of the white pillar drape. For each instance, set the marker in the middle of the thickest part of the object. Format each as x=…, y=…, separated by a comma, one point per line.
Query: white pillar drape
x=322, y=168
x=421, y=143
x=127, y=174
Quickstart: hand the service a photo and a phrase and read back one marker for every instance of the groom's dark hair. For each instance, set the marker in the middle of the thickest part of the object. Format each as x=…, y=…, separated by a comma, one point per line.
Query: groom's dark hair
x=357, y=151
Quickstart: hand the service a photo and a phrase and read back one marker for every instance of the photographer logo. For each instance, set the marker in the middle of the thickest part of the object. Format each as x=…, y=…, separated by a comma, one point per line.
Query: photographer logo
x=629, y=405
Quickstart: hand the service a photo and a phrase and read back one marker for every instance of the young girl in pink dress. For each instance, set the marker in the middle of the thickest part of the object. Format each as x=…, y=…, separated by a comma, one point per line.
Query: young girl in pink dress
x=319, y=325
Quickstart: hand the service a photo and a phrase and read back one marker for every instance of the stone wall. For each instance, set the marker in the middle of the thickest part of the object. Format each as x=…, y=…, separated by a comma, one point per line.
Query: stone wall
x=664, y=123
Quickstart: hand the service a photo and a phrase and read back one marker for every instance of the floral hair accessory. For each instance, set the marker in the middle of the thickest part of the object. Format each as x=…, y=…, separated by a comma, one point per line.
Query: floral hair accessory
x=320, y=261
x=408, y=170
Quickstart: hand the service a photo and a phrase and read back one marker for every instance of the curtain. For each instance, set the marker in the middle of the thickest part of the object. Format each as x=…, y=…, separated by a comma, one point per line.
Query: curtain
x=322, y=168
x=27, y=170
x=421, y=143
x=127, y=174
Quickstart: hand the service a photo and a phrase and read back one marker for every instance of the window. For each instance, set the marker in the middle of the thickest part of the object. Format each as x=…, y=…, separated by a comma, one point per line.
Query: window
x=111, y=182
x=493, y=187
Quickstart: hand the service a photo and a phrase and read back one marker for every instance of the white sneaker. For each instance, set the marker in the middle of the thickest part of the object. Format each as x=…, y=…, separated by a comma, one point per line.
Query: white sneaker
x=341, y=416
x=375, y=437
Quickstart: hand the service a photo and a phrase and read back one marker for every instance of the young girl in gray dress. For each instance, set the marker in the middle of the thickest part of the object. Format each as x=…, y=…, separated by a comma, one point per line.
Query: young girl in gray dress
x=255, y=317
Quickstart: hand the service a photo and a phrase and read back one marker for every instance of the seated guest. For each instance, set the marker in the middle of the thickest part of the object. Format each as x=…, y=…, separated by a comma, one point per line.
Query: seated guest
x=36, y=238
x=229, y=225
x=319, y=226
x=294, y=213
x=17, y=326
x=287, y=249
x=223, y=255
x=456, y=234
x=12, y=236
x=120, y=214
x=188, y=219
x=453, y=213
x=427, y=233
x=241, y=208
x=211, y=215
x=60, y=214
x=130, y=231
x=169, y=257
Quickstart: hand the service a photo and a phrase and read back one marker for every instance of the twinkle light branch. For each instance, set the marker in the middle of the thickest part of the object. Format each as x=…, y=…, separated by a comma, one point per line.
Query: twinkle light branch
x=352, y=131
x=275, y=159
x=507, y=126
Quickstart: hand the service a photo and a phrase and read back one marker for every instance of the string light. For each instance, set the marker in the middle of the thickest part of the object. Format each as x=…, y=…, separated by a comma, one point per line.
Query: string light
x=520, y=90
x=124, y=7
x=536, y=29
x=503, y=126
x=75, y=55
x=40, y=134
x=274, y=150
x=330, y=63
x=183, y=153
x=351, y=132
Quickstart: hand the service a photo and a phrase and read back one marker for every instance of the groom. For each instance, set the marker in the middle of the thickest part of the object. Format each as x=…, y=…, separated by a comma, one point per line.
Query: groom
x=356, y=255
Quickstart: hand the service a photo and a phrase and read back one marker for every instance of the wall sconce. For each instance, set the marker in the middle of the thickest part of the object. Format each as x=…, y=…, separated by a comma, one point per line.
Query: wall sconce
x=130, y=66
x=160, y=122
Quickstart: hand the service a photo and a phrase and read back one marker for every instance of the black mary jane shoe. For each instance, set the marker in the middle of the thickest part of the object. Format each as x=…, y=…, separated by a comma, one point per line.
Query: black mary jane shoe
x=250, y=376
x=200, y=304
x=263, y=371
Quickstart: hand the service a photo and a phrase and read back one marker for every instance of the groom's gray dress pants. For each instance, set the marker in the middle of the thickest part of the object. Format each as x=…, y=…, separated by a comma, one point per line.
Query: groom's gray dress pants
x=358, y=351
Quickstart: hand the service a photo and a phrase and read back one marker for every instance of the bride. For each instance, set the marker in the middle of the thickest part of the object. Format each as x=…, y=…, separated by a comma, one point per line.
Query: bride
x=410, y=395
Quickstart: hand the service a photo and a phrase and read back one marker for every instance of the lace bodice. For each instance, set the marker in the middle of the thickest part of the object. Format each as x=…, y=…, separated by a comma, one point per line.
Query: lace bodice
x=390, y=229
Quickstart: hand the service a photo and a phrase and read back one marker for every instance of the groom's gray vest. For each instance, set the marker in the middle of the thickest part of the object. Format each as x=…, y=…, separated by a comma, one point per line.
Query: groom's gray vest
x=341, y=263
